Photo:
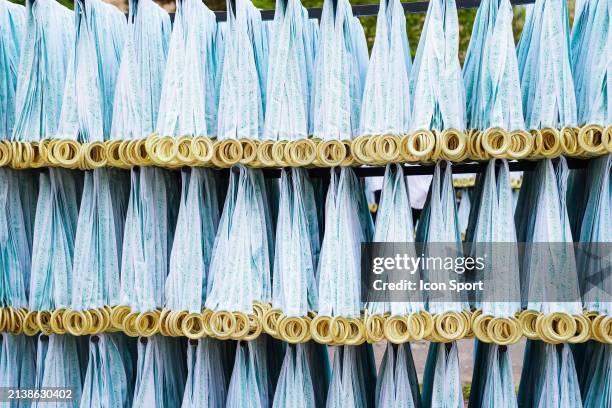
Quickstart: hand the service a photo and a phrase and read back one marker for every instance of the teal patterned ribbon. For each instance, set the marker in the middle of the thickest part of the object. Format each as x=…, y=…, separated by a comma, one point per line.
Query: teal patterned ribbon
x=353, y=378
x=595, y=231
x=255, y=374
x=493, y=233
x=436, y=85
x=196, y=227
x=139, y=84
x=594, y=359
x=18, y=192
x=46, y=49
x=304, y=377
x=386, y=106
x=438, y=226
x=492, y=384
x=592, y=72
x=490, y=72
x=17, y=199
x=147, y=241
x=295, y=278
x=544, y=67
x=347, y=224
x=340, y=69
x=54, y=235
x=12, y=32
x=397, y=385
x=542, y=219
x=288, y=112
x=441, y=381
x=394, y=225
x=189, y=95
x=209, y=368
x=109, y=379
x=18, y=365
x=60, y=363
x=594, y=365
x=161, y=372
x=87, y=107
x=242, y=99
x=98, y=240
x=151, y=212
x=549, y=377
x=492, y=222
x=240, y=267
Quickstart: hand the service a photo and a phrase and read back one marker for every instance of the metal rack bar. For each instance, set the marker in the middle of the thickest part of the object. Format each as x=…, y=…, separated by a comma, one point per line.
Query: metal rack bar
x=365, y=10
x=425, y=169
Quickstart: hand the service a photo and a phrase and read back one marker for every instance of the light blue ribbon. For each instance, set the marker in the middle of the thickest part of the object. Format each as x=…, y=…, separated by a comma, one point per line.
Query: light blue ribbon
x=304, y=377
x=595, y=234
x=490, y=72
x=592, y=71
x=492, y=384
x=242, y=100
x=438, y=229
x=254, y=375
x=441, y=380
x=547, y=285
x=544, y=67
x=549, y=377
x=196, y=227
x=98, y=241
x=87, y=105
x=60, y=363
x=397, y=385
x=492, y=222
x=17, y=201
x=435, y=79
x=189, y=93
x=353, y=378
x=594, y=364
x=594, y=359
x=347, y=225
x=139, y=84
x=288, y=114
x=394, y=225
x=54, y=235
x=340, y=68
x=17, y=365
x=295, y=283
x=12, y=32
x=295, y=388
x=240, y=268
x=148, y=237
x=209, y=370
x=161, y=373
x=494, y=236
x=386, y=104
x=108, y=380
x=46, y=49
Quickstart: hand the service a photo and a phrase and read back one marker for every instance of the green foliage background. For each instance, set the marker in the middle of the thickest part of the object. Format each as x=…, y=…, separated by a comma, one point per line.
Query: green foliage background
x=414, y=22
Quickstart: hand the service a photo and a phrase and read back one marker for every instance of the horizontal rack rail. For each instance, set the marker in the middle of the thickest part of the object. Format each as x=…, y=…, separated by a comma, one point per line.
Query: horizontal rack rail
x=426, y=169
x=368, y=10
